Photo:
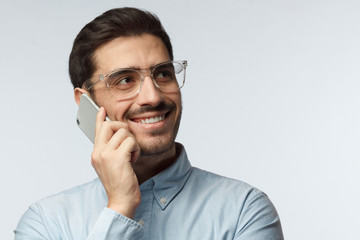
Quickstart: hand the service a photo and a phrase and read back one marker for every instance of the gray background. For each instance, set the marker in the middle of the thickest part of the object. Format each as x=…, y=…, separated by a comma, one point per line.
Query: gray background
x=271, y=98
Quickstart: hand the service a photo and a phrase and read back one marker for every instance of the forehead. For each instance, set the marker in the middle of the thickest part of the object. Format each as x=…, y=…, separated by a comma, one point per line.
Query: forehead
x=130, y=52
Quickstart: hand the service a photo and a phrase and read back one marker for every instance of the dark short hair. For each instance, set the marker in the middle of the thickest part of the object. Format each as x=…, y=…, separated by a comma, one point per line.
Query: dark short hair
x=119, y=22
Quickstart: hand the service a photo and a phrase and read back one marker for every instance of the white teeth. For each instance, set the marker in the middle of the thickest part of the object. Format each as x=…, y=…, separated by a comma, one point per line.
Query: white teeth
x=152, y=119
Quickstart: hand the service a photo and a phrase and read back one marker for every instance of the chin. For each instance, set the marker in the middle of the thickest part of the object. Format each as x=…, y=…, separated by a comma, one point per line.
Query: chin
x=158, y=142
x=157, y=146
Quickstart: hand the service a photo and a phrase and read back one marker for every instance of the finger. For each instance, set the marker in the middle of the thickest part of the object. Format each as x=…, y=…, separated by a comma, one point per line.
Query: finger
x=118, y=137
x=130, y=149
x=135, y=154
x=108, y=129
x=100, y=118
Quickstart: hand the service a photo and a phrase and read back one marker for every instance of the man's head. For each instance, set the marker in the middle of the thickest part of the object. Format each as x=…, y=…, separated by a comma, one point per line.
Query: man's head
x=120, y=22
x=129, y=38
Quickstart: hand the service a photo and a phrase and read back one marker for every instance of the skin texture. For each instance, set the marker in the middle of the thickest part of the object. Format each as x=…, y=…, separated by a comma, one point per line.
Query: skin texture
x=126, y=152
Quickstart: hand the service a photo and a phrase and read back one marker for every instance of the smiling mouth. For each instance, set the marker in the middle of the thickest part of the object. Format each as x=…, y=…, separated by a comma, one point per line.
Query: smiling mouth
x=149, y=120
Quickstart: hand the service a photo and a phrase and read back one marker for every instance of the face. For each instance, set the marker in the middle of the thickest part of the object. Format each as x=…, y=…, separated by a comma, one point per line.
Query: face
x=152, y=116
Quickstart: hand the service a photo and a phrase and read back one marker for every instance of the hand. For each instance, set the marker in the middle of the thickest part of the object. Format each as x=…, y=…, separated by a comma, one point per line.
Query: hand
x=115, y=148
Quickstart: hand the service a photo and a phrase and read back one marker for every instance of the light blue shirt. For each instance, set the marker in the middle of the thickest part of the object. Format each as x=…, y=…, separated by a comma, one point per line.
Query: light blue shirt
x=182, y=202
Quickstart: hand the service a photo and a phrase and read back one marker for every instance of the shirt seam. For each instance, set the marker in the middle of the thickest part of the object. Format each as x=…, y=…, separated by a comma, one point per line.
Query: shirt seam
x=237, y=231
x=38, y=213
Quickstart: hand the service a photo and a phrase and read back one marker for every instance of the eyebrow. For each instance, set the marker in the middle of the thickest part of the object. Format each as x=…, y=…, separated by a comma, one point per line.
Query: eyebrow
x=130, y=67
x=134, y=67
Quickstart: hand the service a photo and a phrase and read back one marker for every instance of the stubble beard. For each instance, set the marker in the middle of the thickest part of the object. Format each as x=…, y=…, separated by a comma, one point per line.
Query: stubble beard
x=157, y=145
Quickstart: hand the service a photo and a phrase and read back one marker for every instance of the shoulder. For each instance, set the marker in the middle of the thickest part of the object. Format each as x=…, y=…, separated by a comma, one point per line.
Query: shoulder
x=77, y=206
x=222, y=183
x=88, y=195
x=230, y=193
x=246, y=205
x=74, y=193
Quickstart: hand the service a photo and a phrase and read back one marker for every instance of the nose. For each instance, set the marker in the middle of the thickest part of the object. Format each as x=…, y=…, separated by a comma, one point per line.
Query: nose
x=149, y=94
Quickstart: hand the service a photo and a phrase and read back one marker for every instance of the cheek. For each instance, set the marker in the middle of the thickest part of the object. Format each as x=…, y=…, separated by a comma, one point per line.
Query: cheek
x=118, y=110
x=115, y=110
x=178, y=102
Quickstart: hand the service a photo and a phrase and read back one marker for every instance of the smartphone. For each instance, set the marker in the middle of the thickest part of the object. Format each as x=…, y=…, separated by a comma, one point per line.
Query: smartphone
x=86, y=116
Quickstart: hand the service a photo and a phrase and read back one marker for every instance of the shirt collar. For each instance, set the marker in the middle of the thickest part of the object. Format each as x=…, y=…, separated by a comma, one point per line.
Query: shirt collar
x=168, y=183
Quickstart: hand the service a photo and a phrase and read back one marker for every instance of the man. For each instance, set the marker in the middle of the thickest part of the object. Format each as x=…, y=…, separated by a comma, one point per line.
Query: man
x=146, y=188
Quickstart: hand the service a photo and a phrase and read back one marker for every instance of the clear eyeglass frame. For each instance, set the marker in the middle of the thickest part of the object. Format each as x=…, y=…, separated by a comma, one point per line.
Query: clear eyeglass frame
x=182, y=64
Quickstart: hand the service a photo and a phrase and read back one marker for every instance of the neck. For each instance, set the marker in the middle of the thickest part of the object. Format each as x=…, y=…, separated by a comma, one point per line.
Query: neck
x=147, y=166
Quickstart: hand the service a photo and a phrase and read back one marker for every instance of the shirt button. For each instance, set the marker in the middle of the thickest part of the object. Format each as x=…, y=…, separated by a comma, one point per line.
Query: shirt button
x=163, y=200
x=141, y=222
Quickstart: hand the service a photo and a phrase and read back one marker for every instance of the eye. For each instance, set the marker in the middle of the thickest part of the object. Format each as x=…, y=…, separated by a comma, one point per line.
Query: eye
x=124, y=80
x=164, y=74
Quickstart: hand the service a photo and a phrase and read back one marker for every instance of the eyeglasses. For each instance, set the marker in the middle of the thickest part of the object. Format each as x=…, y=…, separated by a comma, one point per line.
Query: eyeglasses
x=125, y=83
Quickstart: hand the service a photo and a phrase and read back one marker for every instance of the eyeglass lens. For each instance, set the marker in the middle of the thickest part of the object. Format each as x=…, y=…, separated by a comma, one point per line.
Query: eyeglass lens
x=169, y=77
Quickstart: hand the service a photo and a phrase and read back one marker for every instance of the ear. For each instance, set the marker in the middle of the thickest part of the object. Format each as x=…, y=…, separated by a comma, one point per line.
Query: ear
x=77, y=94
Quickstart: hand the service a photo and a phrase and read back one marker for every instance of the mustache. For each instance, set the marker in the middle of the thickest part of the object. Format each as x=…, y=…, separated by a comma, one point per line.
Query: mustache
x=162, y=106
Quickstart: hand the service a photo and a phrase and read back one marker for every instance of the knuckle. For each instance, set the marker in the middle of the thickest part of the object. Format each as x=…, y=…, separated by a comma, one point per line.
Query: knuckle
x=106, y=124
x=130, y=140
x=104, y=156
x=122, y=131
x=94, y=161
x=100, y=158
x=94, y=156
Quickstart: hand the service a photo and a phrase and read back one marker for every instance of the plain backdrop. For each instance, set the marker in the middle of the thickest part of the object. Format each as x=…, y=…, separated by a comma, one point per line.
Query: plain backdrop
x=271, y=98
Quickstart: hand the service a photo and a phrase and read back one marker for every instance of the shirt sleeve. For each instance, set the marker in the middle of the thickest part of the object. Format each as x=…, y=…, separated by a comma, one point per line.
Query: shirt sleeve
x=109, y=225
x=259, y=220
x=112, y=225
